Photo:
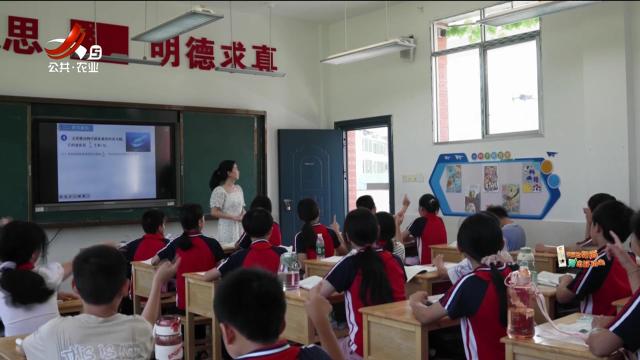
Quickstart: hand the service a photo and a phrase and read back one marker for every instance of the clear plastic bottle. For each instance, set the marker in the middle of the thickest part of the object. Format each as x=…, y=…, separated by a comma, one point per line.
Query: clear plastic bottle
x=320, y=247
x=526, y=259
x=521, y=305
x=289, y=271
x=168, y=338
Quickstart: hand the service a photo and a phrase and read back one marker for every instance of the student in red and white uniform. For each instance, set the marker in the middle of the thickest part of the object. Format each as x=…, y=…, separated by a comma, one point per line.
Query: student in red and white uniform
x=153, y=240
x=198, y=252
x=597, y=287
x=305, y=240
x=478, y=299
x=368, y=276
x=258, y=224
x=250, y=306
x=276, y=236
x=608, y=333
x=428, y=229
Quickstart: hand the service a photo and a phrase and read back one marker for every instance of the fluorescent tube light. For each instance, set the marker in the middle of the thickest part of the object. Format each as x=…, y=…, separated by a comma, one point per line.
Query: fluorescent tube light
x=235, y=70
x=371, y=51
x=127, y=60
x=532, y=10
x=188, y=21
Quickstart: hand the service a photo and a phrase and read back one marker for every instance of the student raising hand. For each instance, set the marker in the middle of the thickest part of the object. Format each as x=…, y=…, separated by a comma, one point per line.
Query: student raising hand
x=318, y=309
x=617, y=250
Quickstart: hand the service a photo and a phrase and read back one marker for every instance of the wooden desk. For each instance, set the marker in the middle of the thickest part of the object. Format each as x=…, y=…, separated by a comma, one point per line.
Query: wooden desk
x=142, y=279
x=422, y=282
x=539, y=348
x=317, y=267
x=8, y=349
x=298, y=325
x=199, y=301
x=229, y=249
x=620, y=303
x=546, y=262
x=392, y=332
x=450, y=253
x=70, y=307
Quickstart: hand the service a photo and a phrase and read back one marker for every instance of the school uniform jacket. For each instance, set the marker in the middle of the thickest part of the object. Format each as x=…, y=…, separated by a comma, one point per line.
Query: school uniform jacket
x=143, y=248
x=597, y=287
x=331, y=242
x=474, y=300
x=346, y=277
x=626, y=324
x=260, y=254
x=428, y=230
x=204, y=254
x=284, y=351
x=275, y=239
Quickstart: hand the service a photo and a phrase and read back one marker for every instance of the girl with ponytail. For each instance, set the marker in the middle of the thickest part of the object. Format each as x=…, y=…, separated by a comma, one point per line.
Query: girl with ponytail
x=305, y=240
x=426, y=230
x=27, y=290
x=368, y=276
x=479, y=298
x=227, y=201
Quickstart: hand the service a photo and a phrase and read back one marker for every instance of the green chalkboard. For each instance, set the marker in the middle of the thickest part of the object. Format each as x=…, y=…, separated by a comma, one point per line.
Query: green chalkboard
x=210, y=138
x=13, y=157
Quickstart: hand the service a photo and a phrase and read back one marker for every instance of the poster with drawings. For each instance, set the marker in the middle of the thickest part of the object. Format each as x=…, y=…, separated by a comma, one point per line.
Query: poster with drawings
x=531, y=180
x=472, y=199
x=454, y=179
x=511, y=198
x=490, y=178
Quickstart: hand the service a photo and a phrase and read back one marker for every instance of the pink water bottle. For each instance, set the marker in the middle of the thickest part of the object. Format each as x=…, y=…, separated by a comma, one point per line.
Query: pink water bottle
x=521, y=305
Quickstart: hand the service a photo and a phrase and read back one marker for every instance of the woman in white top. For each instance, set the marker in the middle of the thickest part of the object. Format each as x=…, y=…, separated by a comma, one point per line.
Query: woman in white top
x=227, y=201
x=27, y=291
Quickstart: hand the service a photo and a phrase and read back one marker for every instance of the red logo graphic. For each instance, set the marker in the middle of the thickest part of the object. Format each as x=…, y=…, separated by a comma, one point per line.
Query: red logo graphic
x=69, y=45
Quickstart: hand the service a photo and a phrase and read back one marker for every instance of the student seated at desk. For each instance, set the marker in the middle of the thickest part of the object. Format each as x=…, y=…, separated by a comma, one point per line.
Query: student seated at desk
x=368, y=276
x=276, y=236
x=479, y=298
x=250, y=307
x=608, y=334
x=305, y=240
x=100, y=277
x=366, y=201
x=153, y=240
x=198, y=252
x=428, y=229
x=389, y=233
x=513, y=233
x=27, y=289
x=598, y=286
x=258, y=224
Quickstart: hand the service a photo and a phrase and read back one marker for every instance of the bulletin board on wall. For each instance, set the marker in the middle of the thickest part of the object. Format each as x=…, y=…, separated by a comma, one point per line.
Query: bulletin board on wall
x=526, y=187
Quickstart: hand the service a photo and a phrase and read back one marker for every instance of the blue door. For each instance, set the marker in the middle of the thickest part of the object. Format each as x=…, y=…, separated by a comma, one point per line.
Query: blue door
x=310, y=165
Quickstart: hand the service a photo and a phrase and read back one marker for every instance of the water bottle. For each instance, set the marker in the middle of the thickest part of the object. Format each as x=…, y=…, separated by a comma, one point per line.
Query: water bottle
x=526, y=259
x=320, y=247
x=289, y=271
x=521, y=304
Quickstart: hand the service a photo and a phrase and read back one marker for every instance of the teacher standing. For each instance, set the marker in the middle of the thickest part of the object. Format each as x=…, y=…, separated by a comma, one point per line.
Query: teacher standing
x=227, y=201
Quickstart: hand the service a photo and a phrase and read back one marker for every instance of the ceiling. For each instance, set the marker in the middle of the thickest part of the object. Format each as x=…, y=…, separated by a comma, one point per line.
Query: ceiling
x=321, y=12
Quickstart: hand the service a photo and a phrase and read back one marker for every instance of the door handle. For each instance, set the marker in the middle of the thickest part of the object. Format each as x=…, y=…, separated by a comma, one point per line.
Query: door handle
x=287, y=204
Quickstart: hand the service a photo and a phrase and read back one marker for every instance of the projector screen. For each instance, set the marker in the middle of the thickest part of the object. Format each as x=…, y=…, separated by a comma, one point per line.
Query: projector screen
x=83, y=162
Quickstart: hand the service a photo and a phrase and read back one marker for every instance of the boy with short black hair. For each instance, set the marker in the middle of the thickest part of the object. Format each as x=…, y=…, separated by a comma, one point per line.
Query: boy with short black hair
x=258, y=225
x=598, y=286
x=513, y=233
x=366, y=201
x=153, y=240
x=275, y=238
x=100, y=332
x=250, y=307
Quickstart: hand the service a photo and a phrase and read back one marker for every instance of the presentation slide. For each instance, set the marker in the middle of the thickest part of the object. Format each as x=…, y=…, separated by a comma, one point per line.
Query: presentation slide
x=106, y=162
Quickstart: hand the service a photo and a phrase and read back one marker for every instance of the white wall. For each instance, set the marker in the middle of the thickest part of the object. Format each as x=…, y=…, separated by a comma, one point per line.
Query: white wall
x=290, y=102
x=585, y=102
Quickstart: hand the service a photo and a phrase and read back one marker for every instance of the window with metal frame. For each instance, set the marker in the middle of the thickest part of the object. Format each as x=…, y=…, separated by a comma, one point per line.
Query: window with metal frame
x=486, y=79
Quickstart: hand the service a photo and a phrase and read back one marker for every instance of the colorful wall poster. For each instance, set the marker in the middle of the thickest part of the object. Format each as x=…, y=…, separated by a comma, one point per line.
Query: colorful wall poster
x=472, y=199
x=511, y=197
x=491, y=179
x=531, y=180
x=454, y=179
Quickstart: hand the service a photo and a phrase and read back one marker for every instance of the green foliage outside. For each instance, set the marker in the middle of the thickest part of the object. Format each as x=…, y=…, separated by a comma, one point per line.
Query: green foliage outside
x=472, y=31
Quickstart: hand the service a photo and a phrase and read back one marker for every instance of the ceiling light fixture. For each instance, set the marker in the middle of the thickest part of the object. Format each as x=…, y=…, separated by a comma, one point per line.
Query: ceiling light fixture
x=192, y=19
x=532, y=10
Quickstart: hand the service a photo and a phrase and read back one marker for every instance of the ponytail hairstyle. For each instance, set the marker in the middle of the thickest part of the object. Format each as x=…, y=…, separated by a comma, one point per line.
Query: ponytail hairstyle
x=190, y=216
x=613, y=215
x=221, y=173
x=19, y=241
x=479, y=236
x=430, y=203
x=387, y=229
x=362, y=229
x=307, y=212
